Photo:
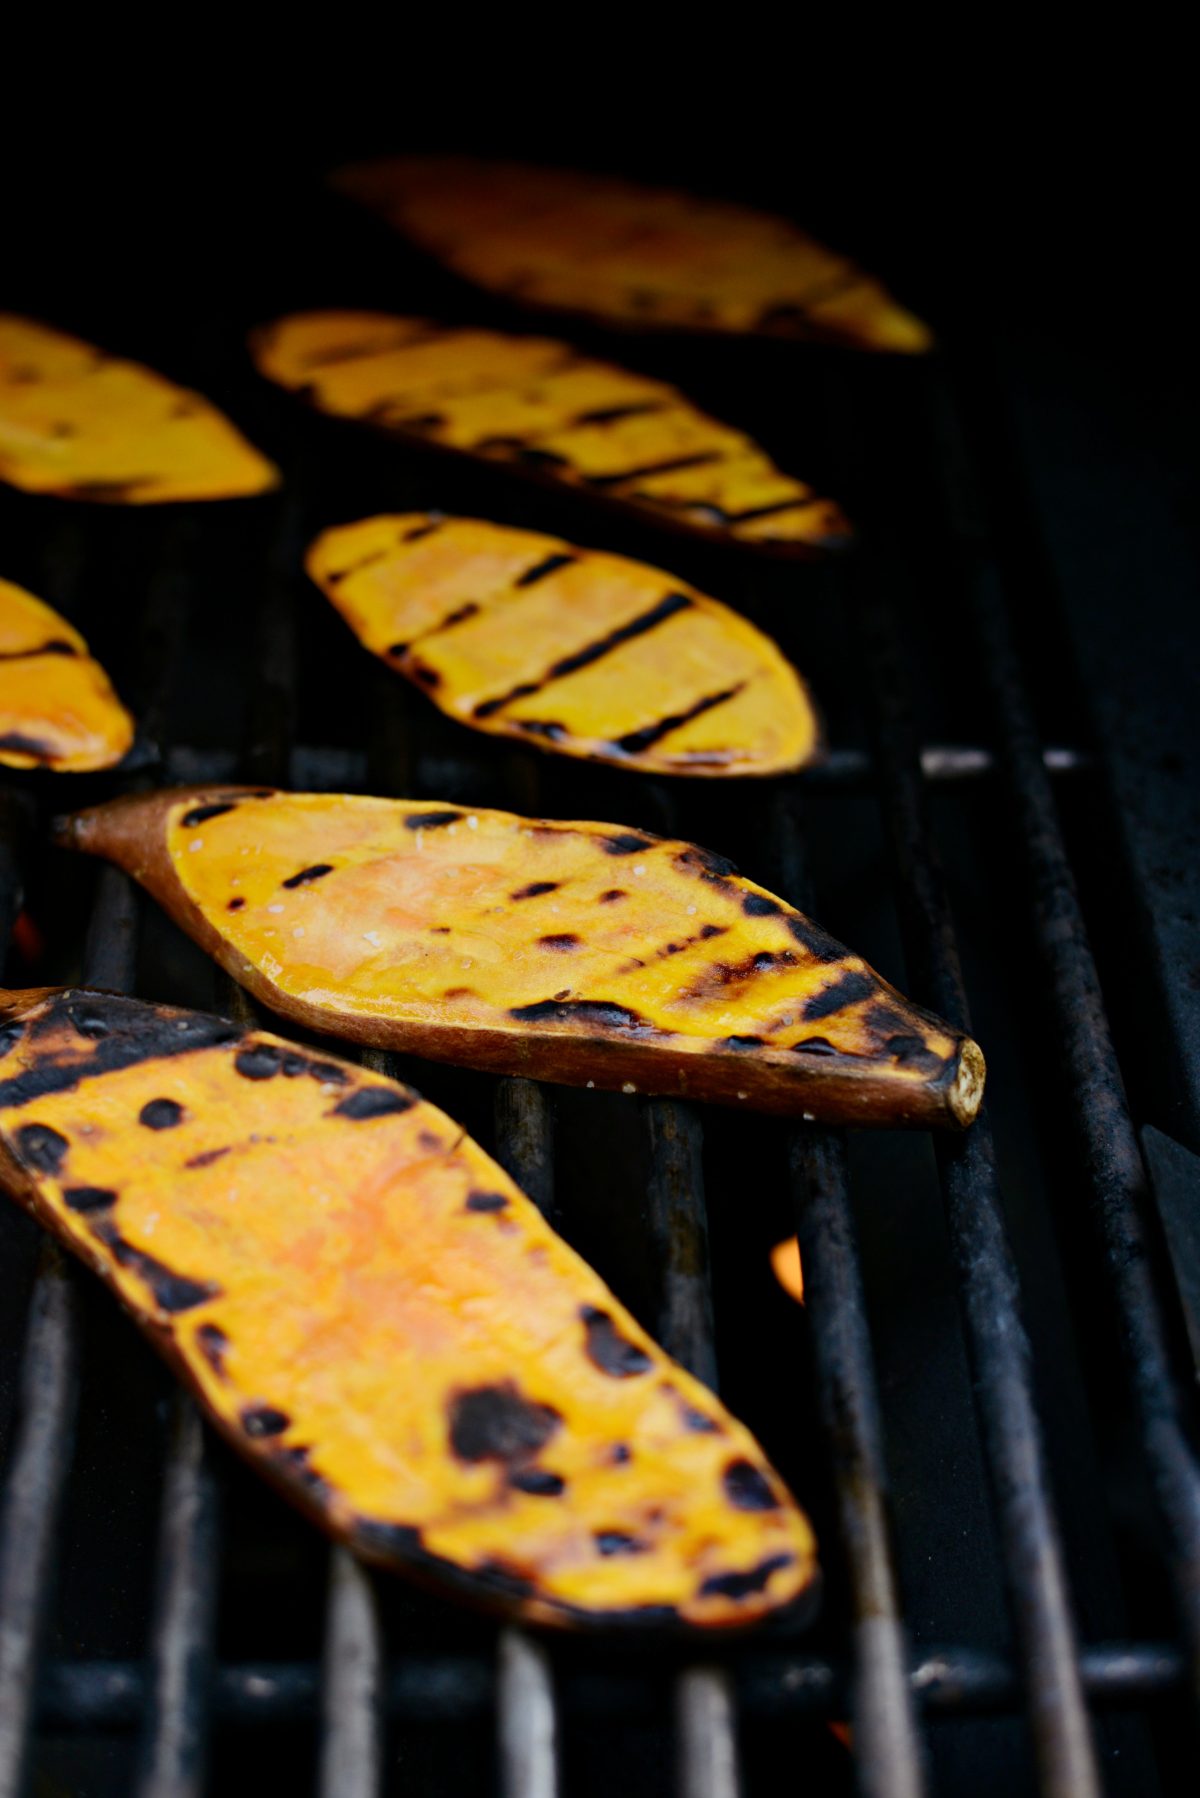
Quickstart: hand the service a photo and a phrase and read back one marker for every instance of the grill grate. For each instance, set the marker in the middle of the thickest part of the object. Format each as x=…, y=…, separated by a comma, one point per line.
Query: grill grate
x=387, y=1691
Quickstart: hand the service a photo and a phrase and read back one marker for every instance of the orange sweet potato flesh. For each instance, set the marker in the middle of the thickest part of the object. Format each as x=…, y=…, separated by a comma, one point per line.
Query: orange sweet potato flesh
x=57, y=706
x=577, y=952
x=626, y=254
x=382, y=1323
x=81, y=424
x=544, y=410
x=569, y=650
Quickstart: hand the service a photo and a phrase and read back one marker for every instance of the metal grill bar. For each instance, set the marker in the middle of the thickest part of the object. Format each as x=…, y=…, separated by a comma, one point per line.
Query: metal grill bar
x=999, y=1350
x=887, y=1749
x=1112, y=1156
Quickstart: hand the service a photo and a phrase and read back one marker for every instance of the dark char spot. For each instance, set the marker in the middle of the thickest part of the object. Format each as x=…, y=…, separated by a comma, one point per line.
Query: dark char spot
x=621, y=1454
x=818, y=942
x=498, y=1423
x=602, y=1012
x=616, y=1542
x=235, y=905
x=200, y=814
x=213, y=1343
x=10, y=1036
x=88, y=1021
x=264, y=1420
x=160, y=1114
x=746, y=1488
x=89, y=1198
x=847, y=991
x=700, y=1422
x=430, y=820
x=486, y=1201
x=306, y=874
x=207, y=1158
x=911, y=1052
x=262, y=1061
x=538, y=1482
x=41, y=1148
x=744, y=1585
x=814, y=1045
x=612, y=894
x=172, y=1292
x=295, y=1463
x=625, y=844
x=373, y=1102
x=562, y=940
x=608, y=1350
x=757, y=905
x=541, y=569
x=535, y=889
x=742, y=1042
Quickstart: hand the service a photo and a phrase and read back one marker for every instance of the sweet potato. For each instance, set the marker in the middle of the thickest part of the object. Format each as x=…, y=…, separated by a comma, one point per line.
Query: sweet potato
x=57, y=706
x=578, y=952
x=381, y=1322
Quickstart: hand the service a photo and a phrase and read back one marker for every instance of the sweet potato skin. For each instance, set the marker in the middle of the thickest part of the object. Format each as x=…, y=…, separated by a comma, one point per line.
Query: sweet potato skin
x=621, y=253
x=58, y=709
x=575, y=952
x=81, y=424
x=574, y=651
x=379, y=1320
x=542, y=410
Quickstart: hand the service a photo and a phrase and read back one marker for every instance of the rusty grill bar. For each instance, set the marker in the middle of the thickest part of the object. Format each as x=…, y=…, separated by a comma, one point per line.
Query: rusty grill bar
x=371, y=1681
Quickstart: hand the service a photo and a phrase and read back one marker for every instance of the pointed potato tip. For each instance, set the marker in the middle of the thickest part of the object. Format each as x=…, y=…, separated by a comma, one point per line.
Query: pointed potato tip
x=966, y=1093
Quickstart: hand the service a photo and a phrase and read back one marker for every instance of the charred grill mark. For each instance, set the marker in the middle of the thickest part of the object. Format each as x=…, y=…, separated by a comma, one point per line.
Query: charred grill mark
x=428, y=677
x=608, y=1350
x=635, y=742
x=10, y=1036
x=541, y=569
x=815, y=1045
x=200, y=814
x=538, y=1482
x=160, y=1114
x=171, y=1292
x=746, y=1488
x=295, y=1464
x=699, y=1422
x=620, y=1454
x=562, y=942
x=20, y=744
x=745, y=1585
x=263, y=1420
x=41, y=1148
x=757, y=905
x=207, y=1158
x=675, y=465
x=536, y=888
x=213, y=1344
x=592, y=652
x=818, y=942
x=604, y=1013
x=89, y=1198
x=316, y=872
x=57, y=646
x=714, y=868
x=261, y=1061
x=627, y=843
x=785, y=505
x=486, y=1201
x=720, y=975
x=612, y=895
x=459, y=616
x=742, y=1042
x=536, y=727
x=430, y=820
x=373, y=1102
x=498, y=1423
x=611, y=415
x=138, y=1034
x=849, y=989
x=235, y=904
x=422, y=530
x=88, y=1021
x=616, y=1542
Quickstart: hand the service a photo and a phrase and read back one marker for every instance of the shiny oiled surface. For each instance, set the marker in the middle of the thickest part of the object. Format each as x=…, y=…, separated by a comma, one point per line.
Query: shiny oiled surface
x=568, y=649
x=547, y=411
x=631, y=254
x=57, y=706
x=79, y=423
x=602, y=955
x=382, y=1322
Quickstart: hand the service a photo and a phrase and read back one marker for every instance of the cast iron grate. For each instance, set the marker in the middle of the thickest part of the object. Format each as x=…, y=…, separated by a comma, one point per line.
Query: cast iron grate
x=1011, y=1603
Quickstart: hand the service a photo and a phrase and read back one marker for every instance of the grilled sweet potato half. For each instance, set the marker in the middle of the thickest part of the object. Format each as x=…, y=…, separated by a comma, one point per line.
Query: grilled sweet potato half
x=85, y=425
x=582, y=953
x=380, y=1321
x=567, y=649
x=642, y=257
x=544, y=410
x=57, y=706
